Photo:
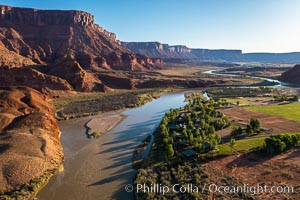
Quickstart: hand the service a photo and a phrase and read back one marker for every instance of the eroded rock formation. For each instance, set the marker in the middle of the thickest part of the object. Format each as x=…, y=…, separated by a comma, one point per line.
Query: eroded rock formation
x=26, y=76
x=29, y=137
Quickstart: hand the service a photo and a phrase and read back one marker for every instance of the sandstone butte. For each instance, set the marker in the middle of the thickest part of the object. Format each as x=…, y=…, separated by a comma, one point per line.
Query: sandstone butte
x=54, y=50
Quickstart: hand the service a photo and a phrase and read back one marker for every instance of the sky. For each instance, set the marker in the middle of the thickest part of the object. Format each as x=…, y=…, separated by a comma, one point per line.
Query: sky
x=249, y=25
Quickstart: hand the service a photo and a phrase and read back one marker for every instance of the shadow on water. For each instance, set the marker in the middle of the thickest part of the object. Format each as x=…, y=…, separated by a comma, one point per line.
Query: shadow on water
x=117, y=148
x=137, y=133
x=113, y=152
x=135, y=130
x=132, y=136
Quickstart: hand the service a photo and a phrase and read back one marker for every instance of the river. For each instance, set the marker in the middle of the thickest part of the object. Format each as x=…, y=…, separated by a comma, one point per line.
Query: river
x=278, y=83
x=99, y=169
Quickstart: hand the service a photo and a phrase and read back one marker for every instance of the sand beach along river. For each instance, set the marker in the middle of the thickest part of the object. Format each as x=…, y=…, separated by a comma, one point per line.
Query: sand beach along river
x=100, y=168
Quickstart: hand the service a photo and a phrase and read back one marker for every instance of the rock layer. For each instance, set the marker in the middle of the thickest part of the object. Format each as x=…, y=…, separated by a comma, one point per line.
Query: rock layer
x=47, y=35
x=181, y=53
x=29, y=77
x=70, y=70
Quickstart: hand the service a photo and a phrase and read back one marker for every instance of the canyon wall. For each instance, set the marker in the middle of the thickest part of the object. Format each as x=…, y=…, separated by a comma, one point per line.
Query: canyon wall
x=180, y=52
x=47, y=35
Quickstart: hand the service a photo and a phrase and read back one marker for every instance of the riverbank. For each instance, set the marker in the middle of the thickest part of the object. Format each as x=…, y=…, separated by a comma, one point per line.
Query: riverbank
x=100, y=168
x=89, y=104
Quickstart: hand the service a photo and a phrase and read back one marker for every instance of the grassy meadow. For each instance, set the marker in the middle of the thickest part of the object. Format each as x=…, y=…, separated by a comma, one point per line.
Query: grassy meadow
x=289, y=111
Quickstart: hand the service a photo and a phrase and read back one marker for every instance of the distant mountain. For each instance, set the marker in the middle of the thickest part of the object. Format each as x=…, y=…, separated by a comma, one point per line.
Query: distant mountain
x=292, y=75
x=158, y=50
x=293, y=57
x=180, y=52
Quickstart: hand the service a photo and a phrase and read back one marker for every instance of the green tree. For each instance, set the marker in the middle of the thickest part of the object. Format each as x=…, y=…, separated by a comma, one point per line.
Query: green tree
x=219, y=124
x=214, y=142
x=193, y=116
x=218, y=138
x=282, y=142
x=166, y=141
x=197, y=132
x=191, y=138
x=232, y=144
x=249, y=130
x=275, y=145
x=295, y=98
x=255, y=124
x=199, y=147
x=236, y=131
x=164, y=121
x=164, y=131
x=211, y=130
x=202, y=123
x=185, y=134
x=202, y=132
x=170, y=151
x=191, y=124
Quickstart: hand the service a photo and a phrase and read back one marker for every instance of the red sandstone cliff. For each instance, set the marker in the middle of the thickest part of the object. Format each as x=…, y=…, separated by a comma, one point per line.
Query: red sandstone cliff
x=71, y=71
x=46, y=35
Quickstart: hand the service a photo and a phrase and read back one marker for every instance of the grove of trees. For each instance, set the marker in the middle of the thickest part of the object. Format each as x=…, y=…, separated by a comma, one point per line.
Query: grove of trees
x=277, y=144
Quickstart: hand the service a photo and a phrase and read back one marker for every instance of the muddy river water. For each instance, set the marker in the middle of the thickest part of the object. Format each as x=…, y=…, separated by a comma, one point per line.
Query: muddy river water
x=99, y=169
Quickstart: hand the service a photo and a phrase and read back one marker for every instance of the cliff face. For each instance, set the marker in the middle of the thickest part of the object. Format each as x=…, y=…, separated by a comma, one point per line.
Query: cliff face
x=179, y=53
x=165, y=51
x=158, y=50
x=11, y=59
x=32, y=78
x=70, y=70
x=292, y=75
x=46, y=35
x=29, y=16
x=16, y=70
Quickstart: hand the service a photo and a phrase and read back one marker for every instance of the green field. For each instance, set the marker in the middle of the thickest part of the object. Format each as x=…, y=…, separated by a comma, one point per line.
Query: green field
x=242, y=145
x=288, y=111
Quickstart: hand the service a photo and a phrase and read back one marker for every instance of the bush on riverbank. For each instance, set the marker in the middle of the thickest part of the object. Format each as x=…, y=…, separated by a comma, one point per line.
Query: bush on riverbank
x=29, y=191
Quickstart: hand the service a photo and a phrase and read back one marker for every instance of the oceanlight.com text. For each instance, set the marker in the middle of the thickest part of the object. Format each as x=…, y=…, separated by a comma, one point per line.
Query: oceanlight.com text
x=212, y=188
